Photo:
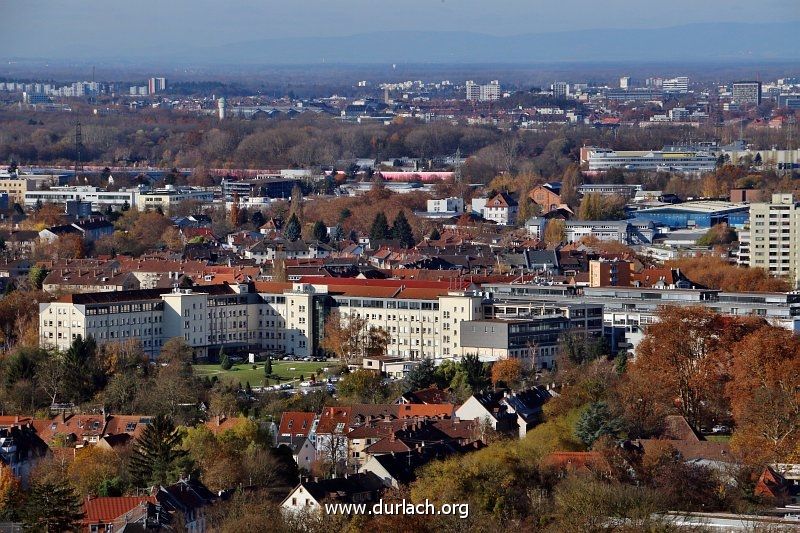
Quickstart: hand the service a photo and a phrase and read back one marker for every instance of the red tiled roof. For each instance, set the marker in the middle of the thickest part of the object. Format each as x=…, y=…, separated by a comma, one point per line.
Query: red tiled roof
x=272, y=287
x=218, y=424
x=131, y=425
x=296, y=423
x=104, y=510
x=388, y=445
x=14, y=420
x=331, y=417
x=575, y=460
x=408, y=410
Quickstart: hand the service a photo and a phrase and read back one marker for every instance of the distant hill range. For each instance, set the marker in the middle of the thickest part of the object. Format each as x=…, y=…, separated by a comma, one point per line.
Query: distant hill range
x=699, y=43
x=693, y=42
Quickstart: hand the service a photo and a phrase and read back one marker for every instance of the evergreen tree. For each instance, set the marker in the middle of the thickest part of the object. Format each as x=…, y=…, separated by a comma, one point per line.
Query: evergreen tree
x=52, y=507
x=156, y=453
x=225, y=361
x=421, y=376
x=379, y=230
x=292, y=229
x=401, y=230
x=82, y=377
x=596, y=421
x=337, y=234
x=435, y=235
x=319, y=232
x=268, y=367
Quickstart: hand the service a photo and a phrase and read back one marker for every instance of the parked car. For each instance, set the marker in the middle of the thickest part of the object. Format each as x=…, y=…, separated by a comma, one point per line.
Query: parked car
x=721, y=428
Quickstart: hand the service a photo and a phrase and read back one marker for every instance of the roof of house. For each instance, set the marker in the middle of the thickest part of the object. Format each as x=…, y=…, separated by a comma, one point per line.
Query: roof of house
x=410, y=410
x=221, y=423
x=389, y=445
x=429, y=395
x=296, y=423
x=502, y=199
x=104, y=510
x=340, y=488
x=330, y=419
x=185, y=495
x=575, y=460
x=74, y=427
x=131, y=425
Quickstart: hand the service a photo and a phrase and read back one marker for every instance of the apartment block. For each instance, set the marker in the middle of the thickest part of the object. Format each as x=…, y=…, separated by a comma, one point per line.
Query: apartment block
x=773, y=236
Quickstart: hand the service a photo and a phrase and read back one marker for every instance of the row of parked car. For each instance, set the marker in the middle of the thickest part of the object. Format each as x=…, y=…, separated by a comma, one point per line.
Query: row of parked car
x=298, y=358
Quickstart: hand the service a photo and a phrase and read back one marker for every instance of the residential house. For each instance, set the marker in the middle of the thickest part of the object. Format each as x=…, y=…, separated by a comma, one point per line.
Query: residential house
x=547, y=196
x=693, y=447
x=21, y=449
x=776, y=488
x=188, y=499
x=116, y=513
x=309, y=496
x=501, y=209
x=297, y=431
x=270, y=249
x=506, y=411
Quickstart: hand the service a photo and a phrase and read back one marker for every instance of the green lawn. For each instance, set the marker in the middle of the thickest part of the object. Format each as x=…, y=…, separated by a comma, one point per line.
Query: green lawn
x=286, y=370
x=718, y=438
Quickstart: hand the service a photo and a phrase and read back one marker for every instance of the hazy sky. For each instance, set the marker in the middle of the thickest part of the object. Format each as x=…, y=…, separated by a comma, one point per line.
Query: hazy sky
x=57, y=27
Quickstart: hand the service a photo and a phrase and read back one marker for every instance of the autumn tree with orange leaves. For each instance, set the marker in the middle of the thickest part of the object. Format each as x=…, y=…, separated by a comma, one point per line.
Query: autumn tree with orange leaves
x=685, y=359
x=765, y=396
x=506, y=371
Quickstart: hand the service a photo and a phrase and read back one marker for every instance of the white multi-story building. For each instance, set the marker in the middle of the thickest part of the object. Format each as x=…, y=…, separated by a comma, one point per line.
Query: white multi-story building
x=689, y=162
x=446, y=205
x=501, y=209
x=98, y=198
x=169, y=196
x=482, y=93
x=676, y=85
x=774, y=236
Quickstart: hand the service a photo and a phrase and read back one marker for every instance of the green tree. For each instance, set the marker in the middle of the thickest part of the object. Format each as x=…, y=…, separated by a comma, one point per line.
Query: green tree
x=52, y=507
x=268, y=367
x=580, y=348
x=421, y=376
x=319, y=232
x=36, y=276
x=401, y=230
x=435, y=235
x=379, y=230
x=596, y=421
x=82, y=375
x=225, y=362
x=363, y=386
x=156, y=453
x=475, y=372
x=292, y=230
